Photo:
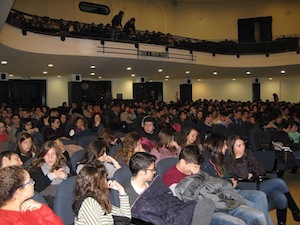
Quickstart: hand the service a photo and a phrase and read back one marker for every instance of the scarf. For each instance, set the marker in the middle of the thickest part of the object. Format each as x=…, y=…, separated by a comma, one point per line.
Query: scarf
x=3, y=136
x=46, y=170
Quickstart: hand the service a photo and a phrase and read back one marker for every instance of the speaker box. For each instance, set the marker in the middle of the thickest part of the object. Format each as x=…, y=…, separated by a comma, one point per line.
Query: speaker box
x=255, y=80
x=76, y=78
x=187, y=81
x=4, y=77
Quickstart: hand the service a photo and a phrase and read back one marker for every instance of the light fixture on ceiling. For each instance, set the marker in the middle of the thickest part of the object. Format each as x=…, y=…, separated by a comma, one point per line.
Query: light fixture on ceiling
x=92, y=74
x=45, y=72
x=248, y=72
x=233, y=79
x=58, y=76
x=93, y=66
x=199, y=80
x=100, y=77
x=282, y=71
x=167, y=76
x=270, y=78
x=50, y=65
x=3, y=62
x=133, y=75
x=215, y=73
x=10, y=75
x=166, y=79
x=160, y=70
x=128, y=68
x=187, y=72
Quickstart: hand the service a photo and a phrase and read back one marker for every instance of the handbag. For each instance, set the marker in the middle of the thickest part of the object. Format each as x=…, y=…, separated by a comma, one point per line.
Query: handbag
x=283, y=153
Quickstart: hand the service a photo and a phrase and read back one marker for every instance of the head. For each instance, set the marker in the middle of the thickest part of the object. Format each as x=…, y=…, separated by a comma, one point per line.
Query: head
x=16, y=119
x=79, y=123
x=96, y=118
x=63, y=118
x=9, y=158
x=236, y=147
x=148, y=124
x=92, y=179
x=165, y=137
x=27, y=124
x=96, y=151
x=2, y=126
x=142, y=164
x=189, y=136
x=293, y=128
x=109, y=137
x=54, y=122
x=24, y=145
x=131, y=145
x=284, y=125
x=16, y=185
x=190, y=160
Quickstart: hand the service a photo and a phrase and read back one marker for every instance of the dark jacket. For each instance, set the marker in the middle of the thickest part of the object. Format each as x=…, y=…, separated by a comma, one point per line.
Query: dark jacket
x=201, y=185
x=158, y=205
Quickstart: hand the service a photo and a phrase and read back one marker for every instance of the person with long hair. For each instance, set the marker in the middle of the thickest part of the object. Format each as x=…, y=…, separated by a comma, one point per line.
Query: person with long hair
x=245, y=166
x=96, y=151
x=166, y=146
x=25, y=147
x=91, y=203
x=130, y=145
x=49, y=169
x=16, y=207
x=214, y=164
x=96, y=123
x=189, y=136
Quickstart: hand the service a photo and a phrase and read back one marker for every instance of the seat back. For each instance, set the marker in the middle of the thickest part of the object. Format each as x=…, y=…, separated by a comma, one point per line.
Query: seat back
x=163, y=165
x=85, y=140
x=39, y=198
x=114, y=149
x=63, y=200
x=220, y=129
x=76, y=157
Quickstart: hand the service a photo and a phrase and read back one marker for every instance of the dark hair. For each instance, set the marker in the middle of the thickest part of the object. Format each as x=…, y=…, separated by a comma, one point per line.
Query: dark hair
x=108, y=136
x=184, y=133
x=91, y=181
x=18, y=148
x=12, y=178
x=164, y=137
x=52, y=119
x=140, y=161
x=94, y=151
x=230, y=147
x=148, y=119
x=191, y=154
x=7, y=154
x=129, y=144
x=284, y=124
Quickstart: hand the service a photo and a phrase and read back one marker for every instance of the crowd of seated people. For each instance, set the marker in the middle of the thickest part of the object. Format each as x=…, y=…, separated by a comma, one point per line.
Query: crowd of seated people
x=157, y=129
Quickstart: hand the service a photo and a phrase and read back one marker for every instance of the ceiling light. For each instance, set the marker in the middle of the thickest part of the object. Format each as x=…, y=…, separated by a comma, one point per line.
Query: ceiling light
x=128, y=68
x=167, y=76
x=233, y=79
x=45, y=72
x=270, y=78
x=282, y=71
x=160, y=70
x=50, y=65
x=58, y=76
x=248, y=72
x=215, y=73
x=93, y=66
x=4, y=62
x=166, y=79
x=99, y=77
x=92, y=74
x=133, y=75
x=187, y=72
x=10, y=75
x=199, y=80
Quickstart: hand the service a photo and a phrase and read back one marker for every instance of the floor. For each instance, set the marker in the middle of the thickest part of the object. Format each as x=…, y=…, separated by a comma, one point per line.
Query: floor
x=293, y=182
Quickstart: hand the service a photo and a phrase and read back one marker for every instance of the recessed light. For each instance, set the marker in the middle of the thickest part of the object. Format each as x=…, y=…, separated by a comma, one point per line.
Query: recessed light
x=133, y=75
x=233, y=79
x=45, y=72
x=187, y=72
x=160, y=70
x=167, y=76
x=10, y=75
x=248, y=72
x=50, y=65
x=270, y=78
x=92, y=74
x=199, y=80
x=215, y=72
x=58, y=76
x=128, y=68
x=99, y=77
x=282, y=71
x=93, y=66
x=3, y=62
x=166, y=79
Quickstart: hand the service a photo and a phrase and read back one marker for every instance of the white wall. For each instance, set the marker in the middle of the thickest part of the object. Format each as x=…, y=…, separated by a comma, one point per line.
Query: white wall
x=56, y=91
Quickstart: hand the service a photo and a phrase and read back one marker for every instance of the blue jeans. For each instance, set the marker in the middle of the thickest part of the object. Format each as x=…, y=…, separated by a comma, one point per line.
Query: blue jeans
x=275, y=188
x=257, y=200
x=239, y=216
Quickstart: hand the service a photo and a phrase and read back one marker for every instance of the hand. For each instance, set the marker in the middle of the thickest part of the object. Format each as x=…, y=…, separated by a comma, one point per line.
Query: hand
x=250, y=175
x=234, y=182
x=30, y=205
x=60, y=174
x=113, y=184
x=113, y=161
x=174, y=144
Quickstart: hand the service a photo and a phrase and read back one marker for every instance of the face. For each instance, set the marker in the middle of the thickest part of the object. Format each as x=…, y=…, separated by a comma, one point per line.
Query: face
x=293, y=129
x=60, y=144
x=191, y=168
x=138, y=147
x=2, y=127
x=150, y=172
x=97, y=118
x=13, y=161
x=27, y=188
x=28, y=126
x=26, y=144
x=191, y=137
x=79, y=123
x=16, y=120
x=148, y=127
x=102, y=158
x=224, y=148
x=50, y=157
x=239, y=147
x=63, y=118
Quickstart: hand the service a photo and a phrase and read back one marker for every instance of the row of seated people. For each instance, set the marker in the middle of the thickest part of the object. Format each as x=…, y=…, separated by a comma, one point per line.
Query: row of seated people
x=49, y=168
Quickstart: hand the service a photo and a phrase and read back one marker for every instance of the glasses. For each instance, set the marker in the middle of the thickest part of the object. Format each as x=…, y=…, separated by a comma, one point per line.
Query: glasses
x=152, y=170
x=31, y=181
